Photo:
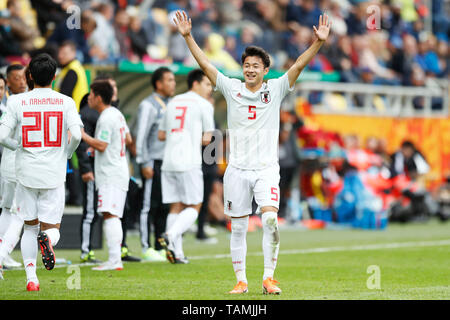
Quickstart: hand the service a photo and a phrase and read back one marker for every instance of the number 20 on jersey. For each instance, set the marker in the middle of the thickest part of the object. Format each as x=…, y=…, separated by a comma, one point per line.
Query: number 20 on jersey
x=45, y=118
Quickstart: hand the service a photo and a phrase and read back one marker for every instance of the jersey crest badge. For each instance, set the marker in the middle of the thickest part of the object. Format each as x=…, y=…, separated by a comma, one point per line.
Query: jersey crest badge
x=265, y=97
x=229, y=204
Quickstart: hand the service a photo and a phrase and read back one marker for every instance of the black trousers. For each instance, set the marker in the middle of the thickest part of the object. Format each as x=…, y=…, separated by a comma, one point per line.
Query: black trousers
x=89, y=214
x=153, y=213
x=209, y=176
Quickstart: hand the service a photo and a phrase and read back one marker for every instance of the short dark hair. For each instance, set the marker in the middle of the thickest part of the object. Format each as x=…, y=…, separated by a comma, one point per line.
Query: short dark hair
x=158, y=75
x=43, y=69
x=254, y=51
x=2, y=78
x=28, y=78
x=103, y=89
x=194, y=75
x=13, y=67
x=408, y=144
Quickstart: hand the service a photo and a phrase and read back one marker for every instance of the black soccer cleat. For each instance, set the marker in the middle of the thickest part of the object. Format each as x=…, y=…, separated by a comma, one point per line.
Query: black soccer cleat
x=48, y=255
x=164, y=242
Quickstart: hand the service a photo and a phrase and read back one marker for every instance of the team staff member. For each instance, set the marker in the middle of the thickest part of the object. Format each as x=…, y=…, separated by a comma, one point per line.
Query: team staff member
x=72, y=82
x=149, y=155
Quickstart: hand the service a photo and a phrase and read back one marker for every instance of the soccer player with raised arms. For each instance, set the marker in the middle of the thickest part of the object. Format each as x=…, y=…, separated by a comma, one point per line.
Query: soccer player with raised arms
x=44, y=119
x=253, y=118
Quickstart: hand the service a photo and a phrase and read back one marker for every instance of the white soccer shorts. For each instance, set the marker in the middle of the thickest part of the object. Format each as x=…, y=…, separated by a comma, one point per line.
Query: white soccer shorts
x=8, y=190
x=47, y=205
x=182, y=186
x=111, y=199
x=240, y=186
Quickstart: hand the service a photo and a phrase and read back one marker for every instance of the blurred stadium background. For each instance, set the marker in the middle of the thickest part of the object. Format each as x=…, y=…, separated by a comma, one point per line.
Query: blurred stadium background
x=380, y=79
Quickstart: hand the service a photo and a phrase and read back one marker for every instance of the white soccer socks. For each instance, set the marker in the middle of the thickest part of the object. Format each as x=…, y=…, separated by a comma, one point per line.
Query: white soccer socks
x=238, y=246
x=54, y=235
x=5, y=219
x=112, y=228
x=183, y=222
x=11, y=236
x=171, y=218
x=270, y=242
x=29, y=248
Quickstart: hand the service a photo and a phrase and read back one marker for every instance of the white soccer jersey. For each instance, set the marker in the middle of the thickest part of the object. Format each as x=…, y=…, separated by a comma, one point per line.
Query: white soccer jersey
x=43, y=118
x=253, y=121
x=111, y=166
x=8, y=161
x=187, y=116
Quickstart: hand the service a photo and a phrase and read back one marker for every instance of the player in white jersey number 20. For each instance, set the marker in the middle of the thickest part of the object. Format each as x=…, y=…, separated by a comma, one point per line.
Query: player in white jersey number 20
x=253, y=117
x=187, y=123
x=43, y=118
x=111, y=168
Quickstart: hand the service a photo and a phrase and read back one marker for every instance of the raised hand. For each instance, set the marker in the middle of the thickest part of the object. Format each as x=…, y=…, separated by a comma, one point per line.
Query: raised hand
x=183, y=23
x=324, y=28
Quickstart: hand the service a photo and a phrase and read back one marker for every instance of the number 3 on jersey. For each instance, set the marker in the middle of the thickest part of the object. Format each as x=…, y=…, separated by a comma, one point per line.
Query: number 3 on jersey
x=38, y=127
x=181, y=118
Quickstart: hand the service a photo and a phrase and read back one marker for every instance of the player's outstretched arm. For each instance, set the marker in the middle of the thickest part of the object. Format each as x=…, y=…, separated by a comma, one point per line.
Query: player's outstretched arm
x=6, y=140
x=321, y=33
x=94, y=143
x=75, y=139
x=184, y=25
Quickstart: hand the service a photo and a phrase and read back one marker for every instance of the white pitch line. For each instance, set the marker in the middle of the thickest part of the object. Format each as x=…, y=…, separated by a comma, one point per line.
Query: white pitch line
x=378, y=246
x=393, y=245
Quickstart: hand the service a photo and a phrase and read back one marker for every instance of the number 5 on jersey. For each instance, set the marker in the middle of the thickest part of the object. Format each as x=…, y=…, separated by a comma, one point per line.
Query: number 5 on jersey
x=38, y=127
x=252, y=112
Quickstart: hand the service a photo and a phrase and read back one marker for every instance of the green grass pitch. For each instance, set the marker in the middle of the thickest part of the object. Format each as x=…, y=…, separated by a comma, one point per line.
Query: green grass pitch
x=411, y=262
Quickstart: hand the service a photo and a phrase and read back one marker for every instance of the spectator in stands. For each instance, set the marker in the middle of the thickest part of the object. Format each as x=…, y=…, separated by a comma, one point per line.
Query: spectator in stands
x=443, y=54
x=63, y=33
x=25, y=35
x=138, y=39
x=427, y=58
x=50, y=12
x=304, y=12
x=9, y=45
x=369, y=60
x=101, y=38
x=121, y=24
x=339, y=54
x=178, y=49
x=214, y=50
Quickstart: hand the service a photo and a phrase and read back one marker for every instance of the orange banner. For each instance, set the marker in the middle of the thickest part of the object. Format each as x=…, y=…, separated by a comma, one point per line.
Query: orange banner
x=431, y=136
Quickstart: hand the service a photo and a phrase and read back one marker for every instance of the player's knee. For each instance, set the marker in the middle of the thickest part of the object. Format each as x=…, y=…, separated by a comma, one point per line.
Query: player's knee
x=239, y=226
x=270, y=226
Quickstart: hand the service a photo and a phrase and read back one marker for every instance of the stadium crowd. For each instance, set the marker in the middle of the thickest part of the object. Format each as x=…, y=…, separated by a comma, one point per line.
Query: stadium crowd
x=404, y=52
